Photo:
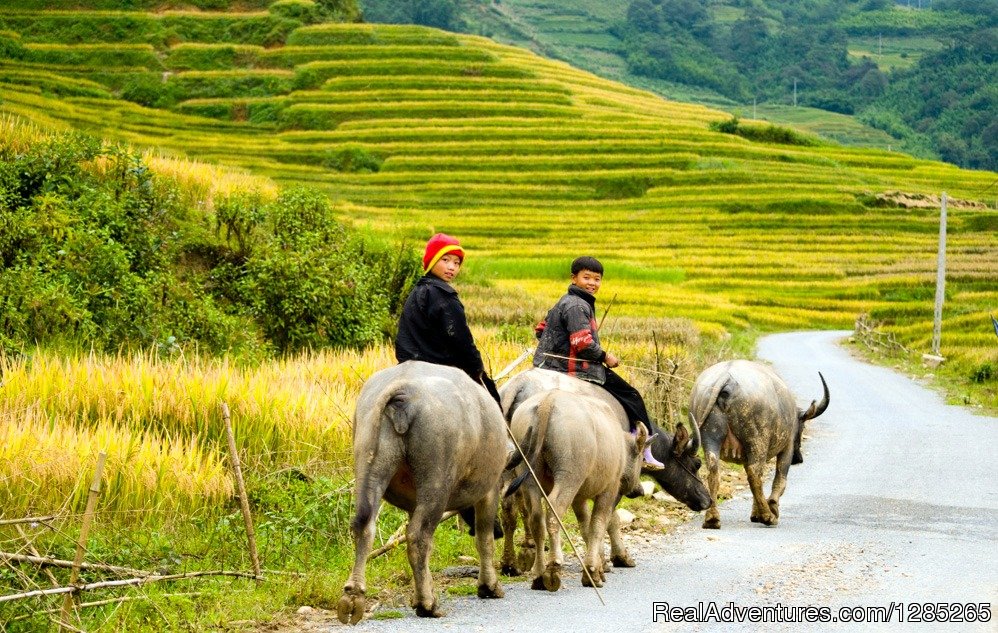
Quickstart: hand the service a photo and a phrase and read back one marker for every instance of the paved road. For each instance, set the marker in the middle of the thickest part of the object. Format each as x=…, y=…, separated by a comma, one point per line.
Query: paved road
x=896, y=505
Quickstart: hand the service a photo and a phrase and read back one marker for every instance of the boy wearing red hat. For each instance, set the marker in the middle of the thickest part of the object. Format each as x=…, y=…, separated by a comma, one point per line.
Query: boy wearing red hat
x=569, y=343
x=433, y=327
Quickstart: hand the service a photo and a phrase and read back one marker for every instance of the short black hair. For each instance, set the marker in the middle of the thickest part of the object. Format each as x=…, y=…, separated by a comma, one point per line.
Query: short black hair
x=586, y=263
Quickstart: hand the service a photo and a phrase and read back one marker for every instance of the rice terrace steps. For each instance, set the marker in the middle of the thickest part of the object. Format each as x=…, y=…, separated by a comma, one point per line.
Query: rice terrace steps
x=529, y=160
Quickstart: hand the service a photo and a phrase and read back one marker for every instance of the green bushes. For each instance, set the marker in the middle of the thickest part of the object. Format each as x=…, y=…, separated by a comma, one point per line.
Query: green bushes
x=96, y=251
x=309, y=283
x=764, y=133
x=94, y=55
x=304, y=11
x=212, y=56
x=353, y=159
x=160, y=30
x=10, y=45
x=260, y=110
x=243, y=84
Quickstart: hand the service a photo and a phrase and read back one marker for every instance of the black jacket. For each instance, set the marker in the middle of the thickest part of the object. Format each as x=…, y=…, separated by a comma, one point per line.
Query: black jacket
x=569, y=342
x=433, y=328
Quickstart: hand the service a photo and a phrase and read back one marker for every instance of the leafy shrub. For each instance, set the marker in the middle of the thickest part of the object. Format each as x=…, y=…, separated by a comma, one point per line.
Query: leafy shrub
x=624, y=187
x=763, y=133
x=983, y=373
x=10, y=45
x=242, y=84
x=305, y=11
x=212, y=57
x=96, y=251
x=315, y=285
x=353, y=158
x=149, y=90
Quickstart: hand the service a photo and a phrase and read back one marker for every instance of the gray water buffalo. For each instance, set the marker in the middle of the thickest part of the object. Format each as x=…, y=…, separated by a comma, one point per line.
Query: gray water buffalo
x=747, y=416
x=678, y=452
x=427, y=439
x=579, y=453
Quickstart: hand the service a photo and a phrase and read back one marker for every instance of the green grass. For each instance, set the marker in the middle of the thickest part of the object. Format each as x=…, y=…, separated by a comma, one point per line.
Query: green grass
x=893, y=53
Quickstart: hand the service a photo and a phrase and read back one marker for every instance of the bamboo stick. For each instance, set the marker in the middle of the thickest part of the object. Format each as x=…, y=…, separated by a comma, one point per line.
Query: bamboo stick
x=81, y=544
x=56, y=562
x=241, y=486
x=400, y=537
x=104, y=584
x=27, y=520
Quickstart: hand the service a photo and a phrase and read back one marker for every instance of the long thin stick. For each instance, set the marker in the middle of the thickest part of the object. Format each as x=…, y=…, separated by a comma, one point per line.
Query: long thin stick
x=144, y=580
x=400, y=537
x=568, y=538
x=606, y=312
x=631, y=366
x=508, y=368
x=81, y=543
x=243, y=500
x=27, y=520
x=55, y=562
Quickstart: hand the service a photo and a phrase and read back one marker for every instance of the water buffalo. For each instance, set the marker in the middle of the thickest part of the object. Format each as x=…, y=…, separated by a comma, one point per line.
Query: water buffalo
x=579, y=453
x=678, y=452
x=427, y=439
x=747, y=416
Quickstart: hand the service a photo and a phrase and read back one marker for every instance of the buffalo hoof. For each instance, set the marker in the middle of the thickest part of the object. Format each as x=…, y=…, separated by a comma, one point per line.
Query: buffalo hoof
x=495, y=591
x=351, y=607
x=510, y=570
x=623, y=560
x=552, y=577
x=714, y=523
x=538, y=584
x=525, y=559
x=596, y=575
x=432, y=612
x=774, y=507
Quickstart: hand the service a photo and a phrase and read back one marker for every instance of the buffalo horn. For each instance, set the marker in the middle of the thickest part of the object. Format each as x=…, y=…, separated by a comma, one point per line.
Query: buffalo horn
x=818, y=408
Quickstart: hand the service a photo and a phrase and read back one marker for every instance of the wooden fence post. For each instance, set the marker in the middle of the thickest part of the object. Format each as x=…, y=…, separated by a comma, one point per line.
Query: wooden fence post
x=81, y=543
x=241, y=488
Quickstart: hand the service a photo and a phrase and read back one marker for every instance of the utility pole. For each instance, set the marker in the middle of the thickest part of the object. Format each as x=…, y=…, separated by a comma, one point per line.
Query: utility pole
x=753, y=108
x=795, y=92
x=880, y=44
x=937, y=322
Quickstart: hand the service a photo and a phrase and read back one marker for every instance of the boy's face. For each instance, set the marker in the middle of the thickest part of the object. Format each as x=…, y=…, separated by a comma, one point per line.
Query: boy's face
x=447, y=267
x=587, y=280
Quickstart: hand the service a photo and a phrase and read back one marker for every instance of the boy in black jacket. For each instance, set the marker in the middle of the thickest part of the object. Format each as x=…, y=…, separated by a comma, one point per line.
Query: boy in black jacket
x=433, y=327
x=569, y=343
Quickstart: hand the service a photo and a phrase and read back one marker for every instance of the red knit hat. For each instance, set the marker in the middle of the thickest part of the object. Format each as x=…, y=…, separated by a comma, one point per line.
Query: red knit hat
x=438, y=246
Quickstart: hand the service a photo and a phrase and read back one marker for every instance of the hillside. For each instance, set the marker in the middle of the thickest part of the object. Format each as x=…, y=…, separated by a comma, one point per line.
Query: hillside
x=854, y=61
x=530, y=161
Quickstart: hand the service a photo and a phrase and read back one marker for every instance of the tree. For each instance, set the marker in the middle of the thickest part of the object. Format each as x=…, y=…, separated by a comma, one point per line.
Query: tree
x=643, y=16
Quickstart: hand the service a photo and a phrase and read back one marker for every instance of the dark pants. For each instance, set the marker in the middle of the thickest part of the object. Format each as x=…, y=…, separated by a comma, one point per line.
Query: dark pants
x=629, y=398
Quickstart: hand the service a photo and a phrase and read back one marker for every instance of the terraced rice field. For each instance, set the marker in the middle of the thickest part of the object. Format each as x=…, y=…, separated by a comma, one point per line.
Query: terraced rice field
x=533, y=162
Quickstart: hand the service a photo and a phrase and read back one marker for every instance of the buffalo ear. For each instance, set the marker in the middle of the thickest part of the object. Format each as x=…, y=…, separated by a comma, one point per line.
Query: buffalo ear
x=642, y=438
x=807, y=415
x=680, y=440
